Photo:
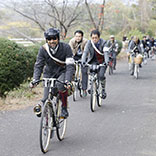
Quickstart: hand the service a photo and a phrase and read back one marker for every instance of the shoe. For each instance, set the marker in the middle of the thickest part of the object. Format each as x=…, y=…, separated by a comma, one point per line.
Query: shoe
x=114, y=68
x=140, y=66
x=132, y=73
x=38, y=110
x=104, y=95
x=64, y=112
x=89, y=91
x=84, y=93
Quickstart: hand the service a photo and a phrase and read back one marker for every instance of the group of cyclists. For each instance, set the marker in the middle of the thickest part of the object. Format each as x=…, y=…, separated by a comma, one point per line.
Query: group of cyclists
x=56, y=59
x=146, y=48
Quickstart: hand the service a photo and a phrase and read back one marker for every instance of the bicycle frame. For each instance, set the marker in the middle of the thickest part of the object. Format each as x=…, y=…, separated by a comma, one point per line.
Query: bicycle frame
x=78, y=70
x=77, y=80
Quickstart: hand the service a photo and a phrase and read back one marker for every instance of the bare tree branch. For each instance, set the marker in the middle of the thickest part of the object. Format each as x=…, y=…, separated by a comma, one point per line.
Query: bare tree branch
x=101, y=17
x=90, y=14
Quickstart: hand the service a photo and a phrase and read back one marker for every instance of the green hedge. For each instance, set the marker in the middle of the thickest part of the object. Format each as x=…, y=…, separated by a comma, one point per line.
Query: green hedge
x=16, y=65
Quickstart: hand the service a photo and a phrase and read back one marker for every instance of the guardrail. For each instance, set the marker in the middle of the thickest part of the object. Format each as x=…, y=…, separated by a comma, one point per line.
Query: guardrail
x=25, y=41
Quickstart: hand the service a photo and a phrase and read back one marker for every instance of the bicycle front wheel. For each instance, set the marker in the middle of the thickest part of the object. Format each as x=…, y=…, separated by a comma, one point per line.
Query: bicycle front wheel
x=46, y=127
x=110, y=69
x=136, y=71
x=99, y=95
x=75, y=91
x=93, y=96
x=79, y=88
x=61, y=122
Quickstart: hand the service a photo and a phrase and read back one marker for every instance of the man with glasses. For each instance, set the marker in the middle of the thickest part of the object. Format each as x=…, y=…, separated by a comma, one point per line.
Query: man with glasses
x=55, y=60
x=77, y=44
x=94, y=54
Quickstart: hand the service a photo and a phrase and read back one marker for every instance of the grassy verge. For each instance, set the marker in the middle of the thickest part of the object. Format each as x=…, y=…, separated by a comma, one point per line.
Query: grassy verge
x=122, y=55
x=21, y=98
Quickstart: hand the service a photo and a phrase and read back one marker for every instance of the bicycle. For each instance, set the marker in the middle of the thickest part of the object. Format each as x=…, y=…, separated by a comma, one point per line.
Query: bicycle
x=51, y=119
x=145, y=58
x=152, y=53
x=137, y=61
x=110, y=64
x=77, y=81
x=96, y=88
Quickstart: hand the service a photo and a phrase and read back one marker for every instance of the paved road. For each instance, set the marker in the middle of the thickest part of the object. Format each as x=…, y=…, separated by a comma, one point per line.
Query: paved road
x=124, y=126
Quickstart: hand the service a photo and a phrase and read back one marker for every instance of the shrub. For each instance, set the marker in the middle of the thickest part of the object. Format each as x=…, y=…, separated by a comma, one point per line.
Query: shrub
x=16, y=65
x=120, y=46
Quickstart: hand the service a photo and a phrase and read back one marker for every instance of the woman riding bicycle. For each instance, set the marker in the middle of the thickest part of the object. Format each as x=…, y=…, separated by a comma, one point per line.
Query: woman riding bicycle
x=56, y=59
x=94, y=54
x=134, y=48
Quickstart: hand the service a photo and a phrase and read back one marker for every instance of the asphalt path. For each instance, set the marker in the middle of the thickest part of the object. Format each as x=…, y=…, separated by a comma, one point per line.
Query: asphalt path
x=125, y=125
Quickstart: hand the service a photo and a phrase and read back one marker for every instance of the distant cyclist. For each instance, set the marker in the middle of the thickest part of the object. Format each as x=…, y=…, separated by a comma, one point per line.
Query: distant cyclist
x=113, y=48
x=134, y=48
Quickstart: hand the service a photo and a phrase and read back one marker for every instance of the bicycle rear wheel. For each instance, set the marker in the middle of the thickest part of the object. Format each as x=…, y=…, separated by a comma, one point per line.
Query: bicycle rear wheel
x=61, y=122
x=111, y=69
x=46, y=127
x=93, y=96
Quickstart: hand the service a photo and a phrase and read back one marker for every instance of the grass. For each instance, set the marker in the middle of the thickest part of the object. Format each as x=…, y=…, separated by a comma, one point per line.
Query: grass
x=21, y=98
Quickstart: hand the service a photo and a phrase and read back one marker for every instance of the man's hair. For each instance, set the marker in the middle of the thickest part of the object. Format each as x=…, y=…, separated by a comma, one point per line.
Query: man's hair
x=79, y=31
x=95, y=32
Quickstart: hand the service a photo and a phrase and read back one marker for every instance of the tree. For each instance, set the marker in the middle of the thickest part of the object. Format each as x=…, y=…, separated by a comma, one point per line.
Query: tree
x=48, y=13
x=99, y=24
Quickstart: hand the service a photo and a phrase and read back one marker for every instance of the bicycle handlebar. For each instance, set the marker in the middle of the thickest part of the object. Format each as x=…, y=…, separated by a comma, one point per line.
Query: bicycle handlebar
x=98, y=65
x=78, y=62
x=48, y=80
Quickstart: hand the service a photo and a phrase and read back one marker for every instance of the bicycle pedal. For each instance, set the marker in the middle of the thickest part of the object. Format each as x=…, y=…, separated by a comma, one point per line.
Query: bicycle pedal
x=61, y=117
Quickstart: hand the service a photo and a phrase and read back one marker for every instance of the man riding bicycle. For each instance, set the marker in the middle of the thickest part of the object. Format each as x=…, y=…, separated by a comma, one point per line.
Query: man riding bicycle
x=55, y=60
x=77, y=44
x=135, y=47
x=94, y=54
x=113, y=49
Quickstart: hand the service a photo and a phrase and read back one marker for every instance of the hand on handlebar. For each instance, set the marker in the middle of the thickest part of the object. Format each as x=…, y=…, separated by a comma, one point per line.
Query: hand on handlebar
x=83, y=64
x=33, y=83
x=68, y=85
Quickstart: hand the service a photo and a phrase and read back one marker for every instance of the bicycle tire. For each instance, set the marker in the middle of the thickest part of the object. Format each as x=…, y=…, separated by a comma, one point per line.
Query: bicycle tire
x=79, y=88
x=75, y=92
x=99, y=95
x=136, y=72
x=61, y=123
x=46, y=127
x=110, y=69
x=93, y=96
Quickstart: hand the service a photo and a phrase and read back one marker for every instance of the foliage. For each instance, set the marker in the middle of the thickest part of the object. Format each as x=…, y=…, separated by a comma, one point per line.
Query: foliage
x=135, y=32
x=16, y=65
x=120, y=46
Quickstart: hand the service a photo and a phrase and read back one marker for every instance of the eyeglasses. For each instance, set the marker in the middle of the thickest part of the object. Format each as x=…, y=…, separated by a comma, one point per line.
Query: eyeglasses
x=49, y=38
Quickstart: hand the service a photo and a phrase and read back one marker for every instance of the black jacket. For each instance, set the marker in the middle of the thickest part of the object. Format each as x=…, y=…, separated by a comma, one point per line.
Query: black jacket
x=49, y=67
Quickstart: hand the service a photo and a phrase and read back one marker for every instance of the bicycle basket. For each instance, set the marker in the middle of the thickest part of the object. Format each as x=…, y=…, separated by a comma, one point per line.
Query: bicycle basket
x=138, y=59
